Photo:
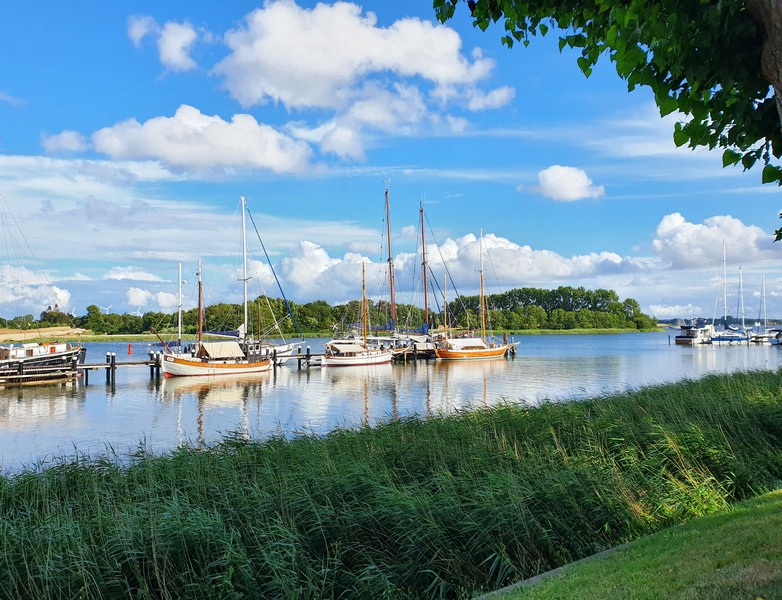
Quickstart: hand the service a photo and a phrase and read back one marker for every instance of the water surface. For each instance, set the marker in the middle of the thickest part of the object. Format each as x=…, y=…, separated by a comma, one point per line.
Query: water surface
x=41, y=423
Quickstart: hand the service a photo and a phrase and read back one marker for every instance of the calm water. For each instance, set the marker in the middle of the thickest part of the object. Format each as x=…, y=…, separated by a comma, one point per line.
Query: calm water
x=40, y=423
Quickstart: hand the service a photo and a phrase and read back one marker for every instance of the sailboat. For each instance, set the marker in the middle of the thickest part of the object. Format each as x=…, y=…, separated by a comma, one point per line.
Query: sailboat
x=356, y=352
x=240, y=357
x=473, y=348
x=730, y=334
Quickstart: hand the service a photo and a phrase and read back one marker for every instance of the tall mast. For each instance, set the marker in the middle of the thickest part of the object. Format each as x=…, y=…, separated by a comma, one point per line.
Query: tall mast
x=244, y=268
x=179, y=309
x=423, y=268
x=364, y=302
x=390, y=258
x=763, y=300
x=482, y=300
x=445, y=305
x=200, y=304
x=741, y=299
x=725, y=284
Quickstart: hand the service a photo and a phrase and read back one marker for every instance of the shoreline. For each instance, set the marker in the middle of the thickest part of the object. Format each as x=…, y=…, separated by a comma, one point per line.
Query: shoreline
x=75, y=334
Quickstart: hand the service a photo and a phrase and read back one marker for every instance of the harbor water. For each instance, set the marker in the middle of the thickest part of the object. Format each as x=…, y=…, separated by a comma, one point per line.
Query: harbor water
x=42, y=424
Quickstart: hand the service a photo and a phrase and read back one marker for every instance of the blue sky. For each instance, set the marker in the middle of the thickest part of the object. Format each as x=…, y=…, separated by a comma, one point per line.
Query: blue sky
x=129, y=131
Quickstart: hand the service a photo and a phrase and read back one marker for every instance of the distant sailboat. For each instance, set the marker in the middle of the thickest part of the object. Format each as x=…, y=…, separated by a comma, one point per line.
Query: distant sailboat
x=730, y=334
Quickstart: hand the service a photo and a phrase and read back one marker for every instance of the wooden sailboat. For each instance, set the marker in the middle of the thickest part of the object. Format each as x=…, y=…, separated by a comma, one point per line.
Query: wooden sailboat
x=235, y=357
x=473, y=348
x=355, y=353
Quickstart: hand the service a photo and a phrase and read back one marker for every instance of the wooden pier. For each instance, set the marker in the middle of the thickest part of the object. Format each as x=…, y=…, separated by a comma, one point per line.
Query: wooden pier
x=19, y=375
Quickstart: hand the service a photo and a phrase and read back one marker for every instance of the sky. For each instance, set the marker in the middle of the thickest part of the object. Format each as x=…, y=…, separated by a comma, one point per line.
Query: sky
x=129, y=131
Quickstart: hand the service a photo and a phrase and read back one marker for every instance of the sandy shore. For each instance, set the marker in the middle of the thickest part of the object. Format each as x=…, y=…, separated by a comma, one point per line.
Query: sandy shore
x=17, y=335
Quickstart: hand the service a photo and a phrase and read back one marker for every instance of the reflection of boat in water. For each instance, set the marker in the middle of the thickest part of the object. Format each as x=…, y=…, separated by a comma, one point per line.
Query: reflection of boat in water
x=214, y=389
x=468, y=381
x=26, y=409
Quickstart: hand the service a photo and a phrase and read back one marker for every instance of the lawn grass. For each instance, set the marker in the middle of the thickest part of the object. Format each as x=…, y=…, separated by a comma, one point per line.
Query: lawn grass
x=736, y=553
x=445, y=507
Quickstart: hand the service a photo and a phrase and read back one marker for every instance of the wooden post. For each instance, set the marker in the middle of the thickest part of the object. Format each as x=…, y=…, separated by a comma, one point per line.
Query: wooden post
x=108, y=367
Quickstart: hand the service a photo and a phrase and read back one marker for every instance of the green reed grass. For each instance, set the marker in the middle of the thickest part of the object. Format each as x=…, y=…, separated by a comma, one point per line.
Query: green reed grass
x=437, y=508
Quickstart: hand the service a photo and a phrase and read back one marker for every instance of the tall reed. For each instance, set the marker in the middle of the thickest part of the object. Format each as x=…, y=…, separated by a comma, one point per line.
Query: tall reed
x=437, y=508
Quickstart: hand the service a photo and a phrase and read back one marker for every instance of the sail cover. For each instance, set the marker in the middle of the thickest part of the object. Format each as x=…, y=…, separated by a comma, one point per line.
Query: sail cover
x=222, y=350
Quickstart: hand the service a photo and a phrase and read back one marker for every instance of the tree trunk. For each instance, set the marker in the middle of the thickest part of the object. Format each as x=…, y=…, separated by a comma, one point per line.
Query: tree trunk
x=768, y=15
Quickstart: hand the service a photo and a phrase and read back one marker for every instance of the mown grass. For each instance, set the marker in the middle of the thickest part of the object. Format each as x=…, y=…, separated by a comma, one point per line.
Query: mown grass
x=733, y=554
x=439, y=508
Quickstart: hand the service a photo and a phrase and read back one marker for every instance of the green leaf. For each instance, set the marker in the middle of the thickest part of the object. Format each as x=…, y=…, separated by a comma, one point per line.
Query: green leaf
x=666, y=104
x=585, y=65
x=730, y=157
x=771, y=174
x=679, y=136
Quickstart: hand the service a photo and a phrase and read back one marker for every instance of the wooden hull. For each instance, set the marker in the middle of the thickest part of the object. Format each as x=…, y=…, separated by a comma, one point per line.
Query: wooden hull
x=179, y=366
x=360, y=359
x=473, y=353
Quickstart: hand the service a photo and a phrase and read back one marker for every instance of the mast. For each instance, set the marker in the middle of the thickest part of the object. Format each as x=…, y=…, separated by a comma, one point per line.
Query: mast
x=445, y=306
x=482, y=300
x=763, y=302
x=200, y=304
x=244, y=269
x=179, y=310
x=390, y=259
x=741, y=300
x=725, y=284
x=364, y=302
x=423, y=267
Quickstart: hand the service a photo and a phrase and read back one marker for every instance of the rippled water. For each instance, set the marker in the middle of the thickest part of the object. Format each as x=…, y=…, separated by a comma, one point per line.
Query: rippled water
x=40, y=423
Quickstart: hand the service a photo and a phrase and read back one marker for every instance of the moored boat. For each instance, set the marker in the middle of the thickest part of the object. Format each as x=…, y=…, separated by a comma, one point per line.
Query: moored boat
x=473, y=347
x=40, y=361
x=692, y=335
x=240, y=357
x=356, y=352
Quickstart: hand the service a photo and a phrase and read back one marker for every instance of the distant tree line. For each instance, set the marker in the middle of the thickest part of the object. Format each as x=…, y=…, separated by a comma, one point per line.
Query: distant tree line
x=524, y=308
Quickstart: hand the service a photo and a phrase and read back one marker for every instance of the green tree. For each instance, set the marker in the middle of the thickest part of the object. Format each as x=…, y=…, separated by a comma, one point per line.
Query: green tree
x=717, y=62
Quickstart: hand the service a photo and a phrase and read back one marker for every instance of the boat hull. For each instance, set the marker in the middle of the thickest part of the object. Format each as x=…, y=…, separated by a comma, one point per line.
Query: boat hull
x=473, y=353
x=178, y=366
x=39, y=362
x=370, y=358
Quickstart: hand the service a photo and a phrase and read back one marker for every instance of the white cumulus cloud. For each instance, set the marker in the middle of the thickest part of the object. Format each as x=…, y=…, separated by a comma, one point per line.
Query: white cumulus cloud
x=174, y=40
x=334, y=48
x=192, y=140
x=567, y=184
x=685, y=245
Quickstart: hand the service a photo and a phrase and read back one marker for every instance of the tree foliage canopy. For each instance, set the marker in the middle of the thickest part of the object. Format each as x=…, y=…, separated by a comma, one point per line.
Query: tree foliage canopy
x=717, y=62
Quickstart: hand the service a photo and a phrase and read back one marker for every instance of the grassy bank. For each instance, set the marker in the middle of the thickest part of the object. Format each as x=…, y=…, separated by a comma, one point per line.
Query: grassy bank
x=441, y=508
x=733, y=554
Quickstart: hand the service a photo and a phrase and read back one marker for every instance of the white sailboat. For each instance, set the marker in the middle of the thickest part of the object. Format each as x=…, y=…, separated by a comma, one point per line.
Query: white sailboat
x=730, y=334
x=356, y=352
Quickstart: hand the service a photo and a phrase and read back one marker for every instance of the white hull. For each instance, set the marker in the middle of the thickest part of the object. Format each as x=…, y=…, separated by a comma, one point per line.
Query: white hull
x=180, y=366
x=358, y=359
